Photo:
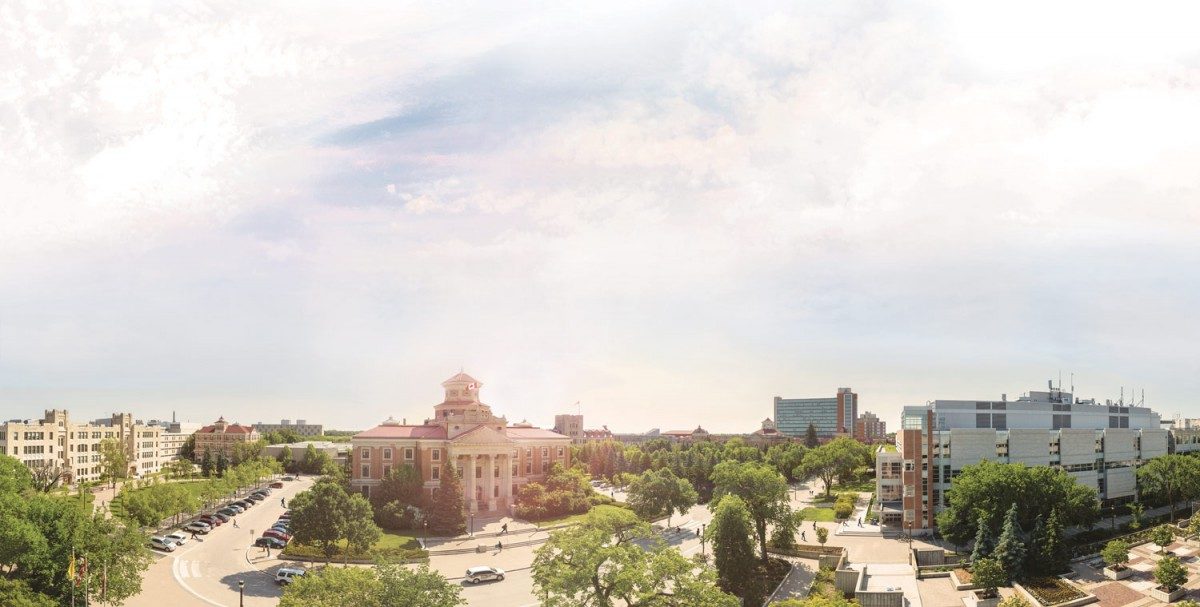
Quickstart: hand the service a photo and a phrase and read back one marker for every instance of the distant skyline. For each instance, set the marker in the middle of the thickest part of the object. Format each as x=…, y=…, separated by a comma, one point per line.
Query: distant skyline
x=670, y=212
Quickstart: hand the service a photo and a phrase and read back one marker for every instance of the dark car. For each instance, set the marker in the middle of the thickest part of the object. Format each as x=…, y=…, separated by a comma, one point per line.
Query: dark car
x=245, y=503
x=230, y=512
x=221, y=515
x=254, y=497
x=270, y=542
x=277, y=485
x=277, y=534
x=211, y=520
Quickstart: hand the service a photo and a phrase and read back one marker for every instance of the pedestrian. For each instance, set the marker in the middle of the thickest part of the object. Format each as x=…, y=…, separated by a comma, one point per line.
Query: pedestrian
x=499, y=546
x=268, y=547
x=193, y=536
x=504, y=528
x=803, y=538
x=235, y=525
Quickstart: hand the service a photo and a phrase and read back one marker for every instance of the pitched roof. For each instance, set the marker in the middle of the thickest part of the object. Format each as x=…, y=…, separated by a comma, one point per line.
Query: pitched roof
x=460, y=377
x=529, y=433
x=396, y=431
x=230, y=429
x=481, y=435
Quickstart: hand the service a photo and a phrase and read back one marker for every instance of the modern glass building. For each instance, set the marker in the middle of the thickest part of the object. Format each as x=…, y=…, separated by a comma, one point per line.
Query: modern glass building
x=830, y=415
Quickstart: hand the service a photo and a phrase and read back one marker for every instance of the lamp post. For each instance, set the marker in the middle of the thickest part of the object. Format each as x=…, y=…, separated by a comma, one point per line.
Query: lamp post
x=471, y=524
x=425, y=543
x=702, y=526
x=241, y=593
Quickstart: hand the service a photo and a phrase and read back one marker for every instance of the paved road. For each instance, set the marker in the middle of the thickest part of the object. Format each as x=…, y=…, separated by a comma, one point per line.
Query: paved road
x=207, y=571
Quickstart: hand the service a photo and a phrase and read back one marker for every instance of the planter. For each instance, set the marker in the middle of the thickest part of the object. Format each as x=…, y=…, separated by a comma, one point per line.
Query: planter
x=959, y=584
x=1167, y=597
x=975, y=600
x=1117, y=574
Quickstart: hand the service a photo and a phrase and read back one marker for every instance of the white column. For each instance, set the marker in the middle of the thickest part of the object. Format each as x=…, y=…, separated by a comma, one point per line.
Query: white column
x=469, y=486
x=489, y=484
x=506, y=479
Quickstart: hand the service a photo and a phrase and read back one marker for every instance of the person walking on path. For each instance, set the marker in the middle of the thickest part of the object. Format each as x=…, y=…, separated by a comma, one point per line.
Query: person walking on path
x=499, y=547
x=283, y=502
x=235, y=525
x=504, y=529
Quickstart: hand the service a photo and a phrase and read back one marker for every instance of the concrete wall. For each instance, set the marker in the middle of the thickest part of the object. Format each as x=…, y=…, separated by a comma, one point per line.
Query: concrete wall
x=1154, y=443
x=970, y=446
x=1120, y=444
x=1077, y=447
x=1120, y=482
x=1029, y=446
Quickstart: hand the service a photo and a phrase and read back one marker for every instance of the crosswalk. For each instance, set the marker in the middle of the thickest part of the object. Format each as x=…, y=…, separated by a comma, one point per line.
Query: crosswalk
x=185, y=569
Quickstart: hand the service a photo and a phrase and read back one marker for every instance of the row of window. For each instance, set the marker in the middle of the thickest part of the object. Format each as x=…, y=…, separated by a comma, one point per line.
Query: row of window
x=436, y=454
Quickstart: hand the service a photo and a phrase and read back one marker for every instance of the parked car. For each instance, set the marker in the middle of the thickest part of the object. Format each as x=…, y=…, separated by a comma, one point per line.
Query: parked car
x=178, y=537
x=227, y=511
x=161, y=543
x=221, y=516
x=277, y=535
x=255, y=497
x=483, y=574
x=289, y=478
x=200, y=527
x=245, y=504
x=236, y=508
x=276, y=485
x=265, y=491
x=270, y=542
x=285, y=575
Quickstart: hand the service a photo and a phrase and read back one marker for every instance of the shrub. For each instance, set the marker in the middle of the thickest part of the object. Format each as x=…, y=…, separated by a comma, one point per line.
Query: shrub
x=989, y=574
x=1170, y=573
x=1014, y=600
x=1116, y=553
x=1051, y=590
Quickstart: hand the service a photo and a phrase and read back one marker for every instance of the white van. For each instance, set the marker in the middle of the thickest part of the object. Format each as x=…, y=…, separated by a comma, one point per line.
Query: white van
x=285, y=575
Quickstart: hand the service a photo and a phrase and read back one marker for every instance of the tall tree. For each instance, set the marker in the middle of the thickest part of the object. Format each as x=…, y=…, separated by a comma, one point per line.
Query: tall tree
x=764, y=491
x=446, y=510
x=1010, y=550
x=15, y=477
x=318, y=517
x=600, y=563
x=285, y=458
x=731, y=533
x=397, y=498
x=832, y=460
x=114, y=463
x=1035, y=549
x=15, y=593
x=358, y=526
x=381, y=586
x=206, y=464
x=188, y=449
x=786, y=457
x=983, y=539
x=222, y=464
x=810, y=437
x=654, y=494
x=991, y=489
x=1054, y=555
x=1172, y=477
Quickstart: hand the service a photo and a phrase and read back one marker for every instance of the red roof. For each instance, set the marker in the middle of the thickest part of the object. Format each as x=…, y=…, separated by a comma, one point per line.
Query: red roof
x=520, y=433
x=230, y=429
x=392, y=431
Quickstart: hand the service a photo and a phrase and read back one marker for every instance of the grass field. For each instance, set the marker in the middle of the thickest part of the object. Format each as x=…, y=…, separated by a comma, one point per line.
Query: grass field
x=821, y=515
x=570, y=519
x=861, y=485
x=392, y=546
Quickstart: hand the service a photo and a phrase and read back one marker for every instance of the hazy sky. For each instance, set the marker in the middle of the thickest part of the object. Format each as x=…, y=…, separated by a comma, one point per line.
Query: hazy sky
x=670, y=212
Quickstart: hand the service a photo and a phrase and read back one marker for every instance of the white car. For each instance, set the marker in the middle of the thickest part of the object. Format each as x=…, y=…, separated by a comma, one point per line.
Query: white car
x=198, y=527
x=285, y=575
x=161, y=543
x=483, y=574
x=177, y=537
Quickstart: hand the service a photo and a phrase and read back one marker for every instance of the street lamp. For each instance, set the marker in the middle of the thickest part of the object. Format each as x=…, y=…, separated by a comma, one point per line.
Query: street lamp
x=702, y=526
x=241, y=593
x=471, y=525
x=425, y=543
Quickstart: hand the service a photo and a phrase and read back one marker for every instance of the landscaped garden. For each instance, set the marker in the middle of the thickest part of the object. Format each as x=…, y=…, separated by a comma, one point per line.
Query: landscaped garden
x=1051, y=590
x=816, y=513
x=393, y=547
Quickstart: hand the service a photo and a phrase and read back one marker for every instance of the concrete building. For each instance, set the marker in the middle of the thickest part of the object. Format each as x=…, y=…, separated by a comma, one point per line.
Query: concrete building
x=222, y=437
x=686, y=436
x=174, y=436
x=1101, y=445
x=301, y=427
x=831, y=416
x=570, y=425
x=74, y=449
x=868, y=428
x=498, y=458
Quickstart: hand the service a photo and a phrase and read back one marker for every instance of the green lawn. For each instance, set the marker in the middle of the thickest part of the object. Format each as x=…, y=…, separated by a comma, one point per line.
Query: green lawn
x=823, y=515
x=392, y=546
x=569, y=519
x=859, y=485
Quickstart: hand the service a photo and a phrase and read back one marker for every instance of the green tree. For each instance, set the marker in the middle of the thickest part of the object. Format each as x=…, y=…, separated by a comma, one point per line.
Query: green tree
x=600, y=563
x=654, y=494
x=1053, y=548
x=314, y=461
x=446, y=510
x=1010, y=550
x=810, y=437
x=397, y=498
x=991, y=489
x=206, y=464
x=1135, y=514
x=114, y=463
x=358, y=525
x=783, y=534
x=764, y=491
x=318, y=517
x=1162, y=536
x=834, y=459
x=731, y=534
x=381, y=586
x=1170, y=573
x=286, y=458
x=188, y=449
x=1035, y=549
x=222, y=464
x=1014, y=600
x=822, y=535
x=15, y=477
x=1116, y=554
x=787, y=458
x=989, y=574
x=983, y=540
x=1171, y=477
x=15, y=593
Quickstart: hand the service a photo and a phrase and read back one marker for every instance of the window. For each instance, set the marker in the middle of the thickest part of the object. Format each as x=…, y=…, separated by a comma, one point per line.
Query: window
x=528, y=467
x=408, y=453
x=387, y=453
x=545, y=452
x=435, y=473
x=496, y=472
x=478, y=471
x=545, y=467
x=386, y=469
x=365, y=471
x=560, y=452
x=364, y=453
x=496, y=491
x=436, y=455
x=528, y=451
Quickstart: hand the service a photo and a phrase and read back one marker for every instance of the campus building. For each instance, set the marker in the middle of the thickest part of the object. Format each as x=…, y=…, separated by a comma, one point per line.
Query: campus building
x=493, y=458
x=868, y=428
x=300, y=428
x=222, y=437
x=1101, y=445
x=54, y=442
x=830, y=416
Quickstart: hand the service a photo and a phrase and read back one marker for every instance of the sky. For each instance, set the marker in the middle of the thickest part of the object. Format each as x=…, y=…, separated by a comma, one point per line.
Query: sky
x=668, y=212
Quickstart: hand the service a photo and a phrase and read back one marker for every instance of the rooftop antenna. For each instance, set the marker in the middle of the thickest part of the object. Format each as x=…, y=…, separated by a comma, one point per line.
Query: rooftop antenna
x=1072, y=382
x=1060, y=380
x=1122, y=401
x=1142, y=403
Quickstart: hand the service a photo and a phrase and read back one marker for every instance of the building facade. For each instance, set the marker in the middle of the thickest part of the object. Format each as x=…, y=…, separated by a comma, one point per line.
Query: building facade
x=569, y=425
x=493, y=458
x=1100, y=445
x=830, y=416
x=55, y=442
x=868, y=428
x=301, y=427
x=222, y=438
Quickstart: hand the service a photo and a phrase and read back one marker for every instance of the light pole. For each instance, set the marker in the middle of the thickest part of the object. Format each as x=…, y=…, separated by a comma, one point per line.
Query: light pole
x=471, y=524
x=241, y=593
x=425, y=543
x=702, y=526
